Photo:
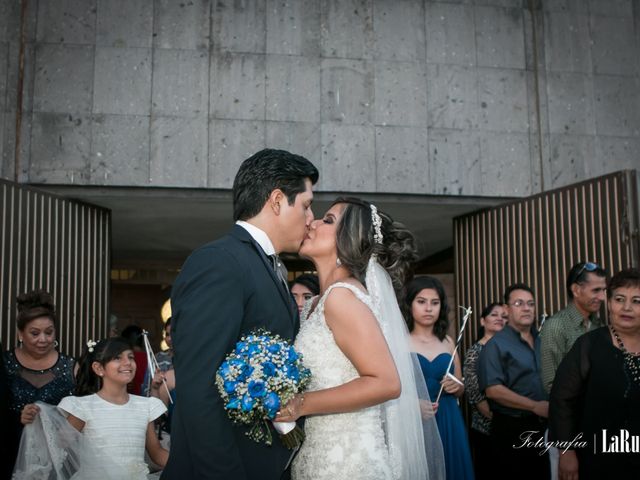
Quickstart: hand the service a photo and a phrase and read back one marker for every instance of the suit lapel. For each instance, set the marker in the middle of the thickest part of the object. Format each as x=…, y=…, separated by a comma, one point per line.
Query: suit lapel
x=244, y=236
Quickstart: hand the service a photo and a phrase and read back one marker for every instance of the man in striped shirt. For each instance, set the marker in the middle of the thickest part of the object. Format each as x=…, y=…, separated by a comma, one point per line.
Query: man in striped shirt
x=586, y=288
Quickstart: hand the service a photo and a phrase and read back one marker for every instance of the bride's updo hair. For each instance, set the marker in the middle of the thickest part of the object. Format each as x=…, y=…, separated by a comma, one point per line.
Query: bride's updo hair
x=34, y=304
x=355, y=243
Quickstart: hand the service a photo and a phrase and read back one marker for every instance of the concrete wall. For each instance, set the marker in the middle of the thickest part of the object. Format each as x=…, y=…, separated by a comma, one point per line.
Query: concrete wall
x=407, y=96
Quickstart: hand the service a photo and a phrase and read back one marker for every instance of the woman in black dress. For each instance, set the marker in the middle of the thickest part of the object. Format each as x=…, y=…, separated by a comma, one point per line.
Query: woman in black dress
x=35, y=370
x=596, y=391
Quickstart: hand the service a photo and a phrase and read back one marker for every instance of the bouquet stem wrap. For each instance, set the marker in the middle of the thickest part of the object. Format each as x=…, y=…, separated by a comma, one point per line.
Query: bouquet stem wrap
x=291, y=434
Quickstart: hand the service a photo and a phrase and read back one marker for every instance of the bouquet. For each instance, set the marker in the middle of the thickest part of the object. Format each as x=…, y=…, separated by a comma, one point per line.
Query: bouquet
x=261, y=374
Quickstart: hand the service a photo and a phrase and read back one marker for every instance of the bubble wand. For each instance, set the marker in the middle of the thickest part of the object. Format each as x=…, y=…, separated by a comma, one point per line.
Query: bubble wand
x=543, y=319
x=153, y=363
x=467, y=314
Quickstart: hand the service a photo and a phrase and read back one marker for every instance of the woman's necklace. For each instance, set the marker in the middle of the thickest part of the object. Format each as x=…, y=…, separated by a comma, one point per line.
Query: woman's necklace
x=631, y=359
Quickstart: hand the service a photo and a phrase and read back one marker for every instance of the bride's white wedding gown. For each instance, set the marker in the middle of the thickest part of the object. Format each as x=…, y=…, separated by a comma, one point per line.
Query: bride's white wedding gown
x=337, y=446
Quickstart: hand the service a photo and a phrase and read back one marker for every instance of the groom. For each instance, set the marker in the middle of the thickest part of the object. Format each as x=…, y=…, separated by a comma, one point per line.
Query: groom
x=226, y=289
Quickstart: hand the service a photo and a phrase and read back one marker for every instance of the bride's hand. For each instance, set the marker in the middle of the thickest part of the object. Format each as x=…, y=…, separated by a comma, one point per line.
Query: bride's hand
x=292, y=410
x=428, y=409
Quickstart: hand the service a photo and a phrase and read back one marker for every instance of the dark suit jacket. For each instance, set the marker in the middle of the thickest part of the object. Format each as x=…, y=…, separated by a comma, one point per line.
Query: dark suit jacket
x=225, y=289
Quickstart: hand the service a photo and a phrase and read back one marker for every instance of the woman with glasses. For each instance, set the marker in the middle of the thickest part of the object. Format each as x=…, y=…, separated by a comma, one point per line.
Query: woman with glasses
x=596, y=392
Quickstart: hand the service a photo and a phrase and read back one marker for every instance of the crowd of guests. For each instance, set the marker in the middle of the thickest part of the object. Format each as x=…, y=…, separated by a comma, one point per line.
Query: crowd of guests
x=92, y=394
x=548, y=401
x=559, y=400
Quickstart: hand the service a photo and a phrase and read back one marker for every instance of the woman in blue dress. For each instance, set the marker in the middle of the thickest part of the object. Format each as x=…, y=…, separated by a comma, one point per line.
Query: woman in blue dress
x=427, y=319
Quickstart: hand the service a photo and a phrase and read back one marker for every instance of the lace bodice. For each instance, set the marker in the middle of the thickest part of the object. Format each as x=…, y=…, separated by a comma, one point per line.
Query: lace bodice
x=329, y=366
x=346, y=445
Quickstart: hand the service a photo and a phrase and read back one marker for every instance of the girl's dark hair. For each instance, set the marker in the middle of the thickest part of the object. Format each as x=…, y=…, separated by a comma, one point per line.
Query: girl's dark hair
x=87, y=382
x=355, y=243
x=309, y=281
x=414, y=287
x=35, y=304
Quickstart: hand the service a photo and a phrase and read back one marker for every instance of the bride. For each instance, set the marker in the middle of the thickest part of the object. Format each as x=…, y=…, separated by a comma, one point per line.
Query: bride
x=368, y=415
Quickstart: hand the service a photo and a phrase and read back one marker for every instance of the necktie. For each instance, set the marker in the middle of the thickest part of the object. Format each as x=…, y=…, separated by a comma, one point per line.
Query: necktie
x=280, y=269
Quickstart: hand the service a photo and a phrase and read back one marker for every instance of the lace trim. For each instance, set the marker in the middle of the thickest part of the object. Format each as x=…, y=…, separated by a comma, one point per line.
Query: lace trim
x=306, y=309
x=360, y=295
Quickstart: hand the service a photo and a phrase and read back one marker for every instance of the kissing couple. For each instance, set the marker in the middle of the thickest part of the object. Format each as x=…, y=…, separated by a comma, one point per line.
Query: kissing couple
x=366, y=412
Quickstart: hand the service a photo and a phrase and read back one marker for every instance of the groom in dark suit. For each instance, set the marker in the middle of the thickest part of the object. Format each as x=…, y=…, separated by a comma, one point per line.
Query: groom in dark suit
x=226, y=289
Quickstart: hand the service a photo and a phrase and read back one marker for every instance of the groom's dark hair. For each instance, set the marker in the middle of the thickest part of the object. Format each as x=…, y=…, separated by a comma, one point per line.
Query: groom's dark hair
x=265, y=171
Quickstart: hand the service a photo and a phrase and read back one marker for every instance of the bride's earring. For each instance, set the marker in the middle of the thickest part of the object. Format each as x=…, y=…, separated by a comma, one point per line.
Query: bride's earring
x=338, y=262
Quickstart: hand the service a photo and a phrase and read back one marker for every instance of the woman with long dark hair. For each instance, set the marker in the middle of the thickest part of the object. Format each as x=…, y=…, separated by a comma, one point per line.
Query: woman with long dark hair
x=427, y=318
x=363, y=417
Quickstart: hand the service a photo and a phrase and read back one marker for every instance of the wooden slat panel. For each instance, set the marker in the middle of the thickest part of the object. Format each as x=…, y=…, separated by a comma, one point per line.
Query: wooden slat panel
x=61, y=246
x=538, y=239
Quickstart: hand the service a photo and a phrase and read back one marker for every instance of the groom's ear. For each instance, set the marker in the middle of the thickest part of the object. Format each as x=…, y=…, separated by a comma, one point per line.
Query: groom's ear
x=275, y=200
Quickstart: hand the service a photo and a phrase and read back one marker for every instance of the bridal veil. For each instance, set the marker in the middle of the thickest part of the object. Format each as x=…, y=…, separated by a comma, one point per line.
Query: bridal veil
x=409, y=421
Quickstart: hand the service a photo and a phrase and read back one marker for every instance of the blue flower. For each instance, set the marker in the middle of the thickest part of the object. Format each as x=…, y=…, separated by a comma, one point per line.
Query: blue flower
x=230, y=386
x=269, y=369
x=235, y=362
x=247, y=403
x=244, y=371
x=233, y=404
x=240, y=346
x=225, y=369
x=272, y=404
x=257, y=388
x=292, y=355
x=274, y=348
x=292, y=372
x=253, y=348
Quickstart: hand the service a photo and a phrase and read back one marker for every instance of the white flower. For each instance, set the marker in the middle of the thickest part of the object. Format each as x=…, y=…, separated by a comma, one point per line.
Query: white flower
x=90, y=345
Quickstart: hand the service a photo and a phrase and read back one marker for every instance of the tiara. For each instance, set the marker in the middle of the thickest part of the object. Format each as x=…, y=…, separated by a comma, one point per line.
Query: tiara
x=90, y=345
x=377, y=224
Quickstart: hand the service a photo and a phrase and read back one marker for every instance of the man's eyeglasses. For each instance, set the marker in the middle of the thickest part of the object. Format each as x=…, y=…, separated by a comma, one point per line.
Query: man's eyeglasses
x=587, y=267
x=520, y=303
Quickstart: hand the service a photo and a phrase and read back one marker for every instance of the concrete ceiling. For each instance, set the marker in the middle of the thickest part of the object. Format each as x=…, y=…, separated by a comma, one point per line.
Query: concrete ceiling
x=158, y=227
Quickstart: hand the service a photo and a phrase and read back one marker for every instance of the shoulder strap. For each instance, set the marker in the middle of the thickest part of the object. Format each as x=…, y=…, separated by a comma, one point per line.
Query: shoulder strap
x=362, y=296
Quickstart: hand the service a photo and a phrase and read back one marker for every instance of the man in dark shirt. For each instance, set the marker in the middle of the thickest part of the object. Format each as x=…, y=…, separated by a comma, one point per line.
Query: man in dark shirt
x=509, y=374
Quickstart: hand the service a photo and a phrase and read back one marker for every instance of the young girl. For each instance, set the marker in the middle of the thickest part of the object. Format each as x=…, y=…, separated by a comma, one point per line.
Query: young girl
x=102, y=431
x=116, y=425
